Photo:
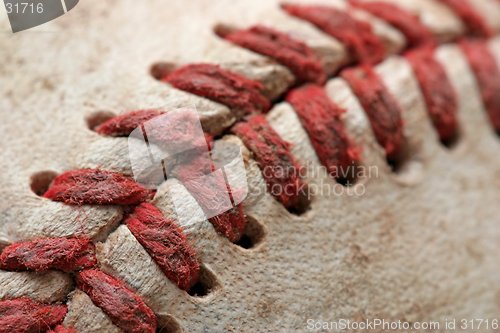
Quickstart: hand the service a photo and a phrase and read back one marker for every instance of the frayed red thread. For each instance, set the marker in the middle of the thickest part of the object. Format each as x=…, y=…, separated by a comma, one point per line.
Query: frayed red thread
x=125, y=309
x=487, y=74
x=362, y=43
x=61, y=329
x=25, y=316
x=230, y=223
x=279, y=168
x=475, y=23
x=166, y=244
x=242, y=95
x=321, y=119
x=177, y=131
x=53, y=253
x=124, y=125
x=440, y=96
x=382, y=109
x=288, y=51
x=416, y=33
x=95, y=186
x=211, y=192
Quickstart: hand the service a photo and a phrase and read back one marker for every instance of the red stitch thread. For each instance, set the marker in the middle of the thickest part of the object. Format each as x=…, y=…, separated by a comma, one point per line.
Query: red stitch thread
x=95, y=186
x=231, y=223
x=416, y=33
x=475, y=23
x=288, y=51
x=61, y=329
x=125, y=309
x=166, y=244
x=487, y=74
x=279, y=168
x=362, y=43
x=242, y=95
x=53, y=253
x=321, y=119
x=124, y=125
x=178, y=131
x=25, y=316
x=211, y=194
x=439, y=94
x=380, y=106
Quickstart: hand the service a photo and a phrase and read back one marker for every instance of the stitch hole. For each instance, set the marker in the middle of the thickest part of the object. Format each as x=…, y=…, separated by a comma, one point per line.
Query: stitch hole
x=398, y=163
x=40, y=181
x=303, y=205
x=161, y=69
x=253, y=236
x=172, y=326
x=97, y=118
x=207, y=284
x=407, y=165
x=352, y=176
x=222, y=30
x=453, y=142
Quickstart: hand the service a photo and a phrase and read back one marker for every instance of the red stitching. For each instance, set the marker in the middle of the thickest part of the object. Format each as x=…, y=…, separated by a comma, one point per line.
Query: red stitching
x=125, y=309
x=51, y=253
x=96, y=187
x=380, y=106
x=22, y=315
x=124, y=125
x=321, y=119
x=166, y=244
x=364, y=45
x=211, y=194
x=178, y=131
x=439, y=94
x=231, y=224
x=234, y=90
x=487, y=74
x=288, y=51
x=280, y=170
x=415, y=32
